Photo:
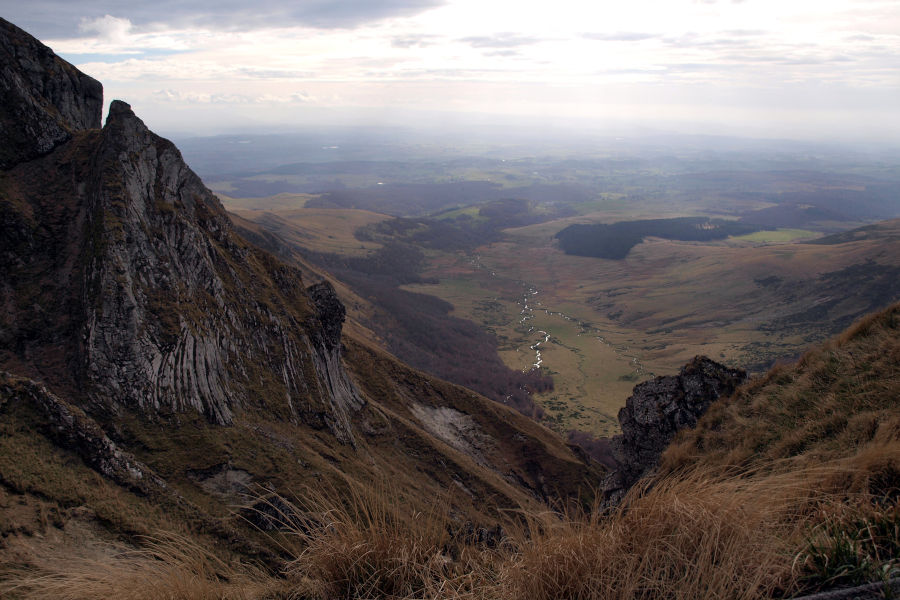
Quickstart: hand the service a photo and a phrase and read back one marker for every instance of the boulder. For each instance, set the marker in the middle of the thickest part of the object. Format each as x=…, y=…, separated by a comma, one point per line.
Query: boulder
x=656, y=411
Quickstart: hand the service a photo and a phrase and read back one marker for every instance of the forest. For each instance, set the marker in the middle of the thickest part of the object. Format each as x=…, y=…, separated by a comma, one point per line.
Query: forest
x=616, y=240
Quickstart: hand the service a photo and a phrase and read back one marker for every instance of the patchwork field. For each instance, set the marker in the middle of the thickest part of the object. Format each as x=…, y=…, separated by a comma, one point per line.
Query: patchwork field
x=600, y=326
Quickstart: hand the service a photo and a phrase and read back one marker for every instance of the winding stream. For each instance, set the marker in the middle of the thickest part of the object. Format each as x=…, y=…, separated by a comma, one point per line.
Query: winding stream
x=540, y=338
x=543, y=337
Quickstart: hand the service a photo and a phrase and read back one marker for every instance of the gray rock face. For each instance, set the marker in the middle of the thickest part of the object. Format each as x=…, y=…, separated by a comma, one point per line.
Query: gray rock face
x=151, y=263
x=178, y=318
x=119, y=254
x=325, y=330
x=657, y=410
x=43, y=99
x=74, y=430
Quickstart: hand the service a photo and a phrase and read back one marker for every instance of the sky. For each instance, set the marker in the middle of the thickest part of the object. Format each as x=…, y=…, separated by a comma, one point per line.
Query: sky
x=802, y=69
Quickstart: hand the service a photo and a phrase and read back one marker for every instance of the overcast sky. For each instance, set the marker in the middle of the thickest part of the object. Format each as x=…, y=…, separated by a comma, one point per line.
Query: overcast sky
x=782, y=68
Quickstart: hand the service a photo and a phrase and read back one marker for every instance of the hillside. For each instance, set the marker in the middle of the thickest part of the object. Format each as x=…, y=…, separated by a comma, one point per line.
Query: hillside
x=837, y=400
x=744, y=506
x=162, y=376
x=184, y=415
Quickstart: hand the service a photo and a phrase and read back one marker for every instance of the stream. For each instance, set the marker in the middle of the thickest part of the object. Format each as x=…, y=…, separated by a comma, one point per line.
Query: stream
x=540, y=338
x=529, y=304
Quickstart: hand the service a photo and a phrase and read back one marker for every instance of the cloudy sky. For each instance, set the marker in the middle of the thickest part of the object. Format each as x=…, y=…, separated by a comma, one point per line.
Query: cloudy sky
x=785, y=68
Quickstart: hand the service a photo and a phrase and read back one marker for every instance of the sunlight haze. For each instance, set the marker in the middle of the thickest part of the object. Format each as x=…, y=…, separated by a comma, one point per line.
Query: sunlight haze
x=817, y=70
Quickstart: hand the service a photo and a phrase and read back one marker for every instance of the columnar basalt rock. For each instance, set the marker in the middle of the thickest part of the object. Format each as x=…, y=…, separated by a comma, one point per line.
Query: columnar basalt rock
x=326, y=335
x=164, y=308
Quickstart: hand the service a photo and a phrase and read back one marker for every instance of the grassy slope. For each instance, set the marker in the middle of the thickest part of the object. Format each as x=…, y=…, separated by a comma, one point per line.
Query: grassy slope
x=786, y=488
x=318, y=229
x=838, y=399
x=48, y=492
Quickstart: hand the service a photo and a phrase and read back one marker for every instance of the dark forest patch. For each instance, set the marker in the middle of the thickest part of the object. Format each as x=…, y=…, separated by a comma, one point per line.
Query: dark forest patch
x=616, y=240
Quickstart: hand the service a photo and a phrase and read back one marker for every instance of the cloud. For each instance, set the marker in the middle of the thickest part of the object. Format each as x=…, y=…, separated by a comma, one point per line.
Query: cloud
x=620, y=36
x=177, y=97
x=413, y=41
x=500, y=40
x=108, y=28
x=267, y=73
x=745, y=32
x=61, y=19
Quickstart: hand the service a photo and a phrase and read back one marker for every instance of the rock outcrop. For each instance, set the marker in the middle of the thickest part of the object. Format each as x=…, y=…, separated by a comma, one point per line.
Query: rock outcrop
x=656, y=411
x=43, y=100
x=123, y=262
x=72, y=429
x=325, y=328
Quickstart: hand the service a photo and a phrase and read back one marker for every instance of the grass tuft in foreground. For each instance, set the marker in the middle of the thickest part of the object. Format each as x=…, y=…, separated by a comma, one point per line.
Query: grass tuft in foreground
x=707, y=533
x=790, y=487
x=171, y=568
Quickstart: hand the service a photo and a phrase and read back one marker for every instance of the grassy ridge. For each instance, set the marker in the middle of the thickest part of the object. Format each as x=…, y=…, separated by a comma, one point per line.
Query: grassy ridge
x=839, y=396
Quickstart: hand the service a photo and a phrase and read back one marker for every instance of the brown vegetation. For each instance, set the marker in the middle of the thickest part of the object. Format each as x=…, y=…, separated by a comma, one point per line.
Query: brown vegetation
x=789, y=487
x=703, y=534
x=839, y=397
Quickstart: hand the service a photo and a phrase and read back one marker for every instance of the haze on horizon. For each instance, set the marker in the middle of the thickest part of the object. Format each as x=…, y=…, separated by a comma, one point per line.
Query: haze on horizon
x=824, y=69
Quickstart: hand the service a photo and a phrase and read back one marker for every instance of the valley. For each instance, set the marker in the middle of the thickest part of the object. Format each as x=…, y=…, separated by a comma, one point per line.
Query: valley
x=598, y=326
x=380, y=364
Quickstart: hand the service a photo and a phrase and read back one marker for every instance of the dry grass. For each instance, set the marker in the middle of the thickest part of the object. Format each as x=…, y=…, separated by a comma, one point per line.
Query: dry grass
x=707, y=533
x=703, y=534
x=685, y=539
x=791, y=487
x=363, y=543
x=837, y=398
x=171, y=568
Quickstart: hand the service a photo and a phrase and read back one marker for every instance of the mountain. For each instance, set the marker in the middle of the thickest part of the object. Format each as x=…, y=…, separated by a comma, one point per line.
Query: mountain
x=182, y=416
x=142, y=339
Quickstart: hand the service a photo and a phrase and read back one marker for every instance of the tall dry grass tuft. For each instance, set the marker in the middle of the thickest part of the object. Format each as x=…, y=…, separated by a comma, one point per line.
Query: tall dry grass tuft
x=171, y=568
x=690, y=537
x=364, y=544
x=708, y=533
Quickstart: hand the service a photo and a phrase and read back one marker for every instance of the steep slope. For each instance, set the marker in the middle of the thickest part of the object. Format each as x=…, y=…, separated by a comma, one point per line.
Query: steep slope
x=45, y=100
x=144, y=257
x=836, y=400
x=130, y=302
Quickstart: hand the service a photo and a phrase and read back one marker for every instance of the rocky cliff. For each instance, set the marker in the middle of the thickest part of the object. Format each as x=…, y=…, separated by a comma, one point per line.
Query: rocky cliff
x=45, y=99
x=128, y=296
x=657, y=410
x=134, y=270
